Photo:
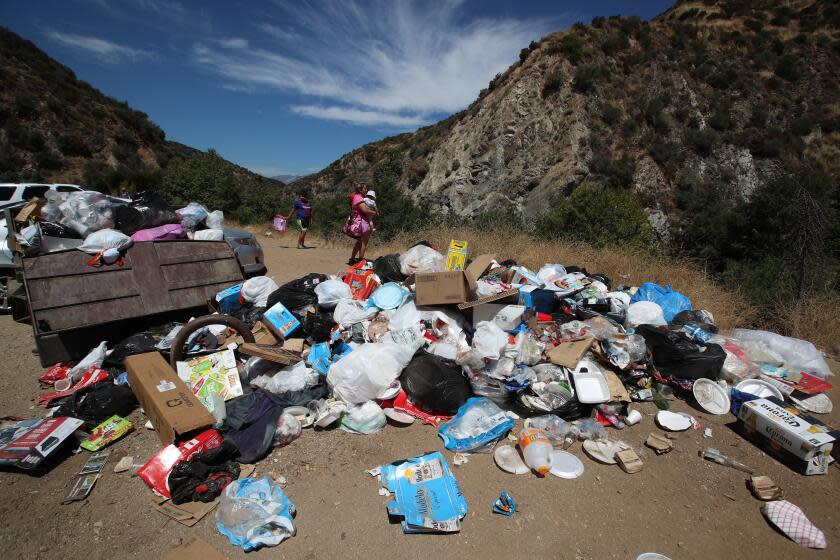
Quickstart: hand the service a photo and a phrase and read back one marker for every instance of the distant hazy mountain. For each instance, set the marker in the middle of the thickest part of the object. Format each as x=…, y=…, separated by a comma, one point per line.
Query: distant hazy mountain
x=287, y=179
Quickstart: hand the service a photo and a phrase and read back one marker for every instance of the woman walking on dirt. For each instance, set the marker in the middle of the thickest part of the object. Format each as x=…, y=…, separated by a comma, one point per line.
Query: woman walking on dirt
x=303, y=217
x=359, y=223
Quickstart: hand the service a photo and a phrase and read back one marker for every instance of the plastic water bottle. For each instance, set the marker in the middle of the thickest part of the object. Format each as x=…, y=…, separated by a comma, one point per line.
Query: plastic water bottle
x=696, y=333
x=536, y=450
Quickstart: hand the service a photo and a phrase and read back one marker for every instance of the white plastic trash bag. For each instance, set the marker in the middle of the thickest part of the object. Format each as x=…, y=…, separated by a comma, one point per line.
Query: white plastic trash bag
x=795, y=353
x=421, y=258
x=208, y=235
x=550, y=272
x=94, y=358
x=367, y=372
x=257, y=289
x=331, y=291
x=254, y=513
x=350, y=311
x=84, y=212
x=644, y=313
x=367, y=418
x=103, y=239
x=292, y=378
x=192, y=214
x=489, y=340
x=215, y=219
x=405, y=317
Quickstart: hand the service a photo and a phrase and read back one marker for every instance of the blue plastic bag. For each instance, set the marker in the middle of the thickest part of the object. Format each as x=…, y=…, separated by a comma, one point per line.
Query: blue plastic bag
x=426, y=494
x=254, y=513
x=478, y=423
x=670, y=301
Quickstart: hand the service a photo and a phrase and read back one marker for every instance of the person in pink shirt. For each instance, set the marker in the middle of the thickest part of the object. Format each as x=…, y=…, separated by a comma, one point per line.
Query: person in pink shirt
x=359, y=223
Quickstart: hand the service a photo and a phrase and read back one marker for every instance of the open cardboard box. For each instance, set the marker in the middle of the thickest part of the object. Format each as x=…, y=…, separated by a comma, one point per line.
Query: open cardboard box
x=454, y=287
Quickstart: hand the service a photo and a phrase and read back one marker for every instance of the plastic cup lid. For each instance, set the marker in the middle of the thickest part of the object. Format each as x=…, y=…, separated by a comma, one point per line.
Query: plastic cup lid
x=388, y=296
x=711, y=396
x=508, y=459
x=565, y=465
x=651, y=556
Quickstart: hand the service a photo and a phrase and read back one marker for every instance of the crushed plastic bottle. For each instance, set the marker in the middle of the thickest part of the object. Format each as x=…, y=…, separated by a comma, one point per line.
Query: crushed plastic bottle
x=712, y=454
x=559, y=431
x=536, y=450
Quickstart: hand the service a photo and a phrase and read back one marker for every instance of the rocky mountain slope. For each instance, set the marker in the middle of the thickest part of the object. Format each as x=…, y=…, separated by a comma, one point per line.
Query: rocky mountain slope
x=54, y=127
x=722, y=93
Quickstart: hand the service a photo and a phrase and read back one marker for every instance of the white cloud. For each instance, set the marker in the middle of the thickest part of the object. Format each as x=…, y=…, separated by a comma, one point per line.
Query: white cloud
x=162, y=7
x=393, y=63
x=234, y=43
x=358, y=116
x=104, y=50
x=278, y=32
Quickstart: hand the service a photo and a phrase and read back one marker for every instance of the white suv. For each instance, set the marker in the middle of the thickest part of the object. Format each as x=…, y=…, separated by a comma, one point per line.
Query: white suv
x=12, y=194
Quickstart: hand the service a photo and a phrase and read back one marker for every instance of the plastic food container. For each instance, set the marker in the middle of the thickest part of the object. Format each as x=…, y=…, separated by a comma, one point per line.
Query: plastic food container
x=590, y=384
x=711, y=397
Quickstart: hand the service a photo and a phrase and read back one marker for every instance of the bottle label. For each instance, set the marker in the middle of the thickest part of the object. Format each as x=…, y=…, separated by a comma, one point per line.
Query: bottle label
x=527, y=437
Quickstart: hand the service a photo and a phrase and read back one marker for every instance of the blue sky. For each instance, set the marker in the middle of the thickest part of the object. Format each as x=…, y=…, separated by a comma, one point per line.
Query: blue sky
x=286, y=87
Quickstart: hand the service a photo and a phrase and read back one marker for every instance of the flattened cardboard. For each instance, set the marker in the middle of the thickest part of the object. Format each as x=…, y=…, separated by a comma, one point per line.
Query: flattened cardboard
x=618, y=392
x=191, y=513
x=507, y=296
x=568, y=354
x=193, y=549
x=173, y=409
x=270, y=352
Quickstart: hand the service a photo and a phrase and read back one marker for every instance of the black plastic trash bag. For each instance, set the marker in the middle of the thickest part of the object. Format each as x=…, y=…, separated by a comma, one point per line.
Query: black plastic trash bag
x=205, y=475
x=297, y=294
x=54, y=229
x=674, y=354
x=146, y=210
x=248, y=314
x=97, y=403
x=435, y=383
x=318, y=325
x=694, y=317
x=387, y=267
x=138, y=343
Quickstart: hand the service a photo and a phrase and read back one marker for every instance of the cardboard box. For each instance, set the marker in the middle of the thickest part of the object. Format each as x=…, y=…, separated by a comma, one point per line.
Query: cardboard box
x=451, y=287
x=796, y=439
x=173, y=409
x=456, y=258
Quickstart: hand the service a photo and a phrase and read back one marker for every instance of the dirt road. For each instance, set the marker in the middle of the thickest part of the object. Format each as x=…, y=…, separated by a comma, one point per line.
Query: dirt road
x=678, y=505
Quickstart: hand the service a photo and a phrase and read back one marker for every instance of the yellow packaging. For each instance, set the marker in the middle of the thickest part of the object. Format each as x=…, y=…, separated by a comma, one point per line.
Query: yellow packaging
x=456, y=259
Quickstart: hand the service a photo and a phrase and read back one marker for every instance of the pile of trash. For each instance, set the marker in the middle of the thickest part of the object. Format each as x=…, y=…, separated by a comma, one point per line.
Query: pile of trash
x=107, y=227
x=499, y=359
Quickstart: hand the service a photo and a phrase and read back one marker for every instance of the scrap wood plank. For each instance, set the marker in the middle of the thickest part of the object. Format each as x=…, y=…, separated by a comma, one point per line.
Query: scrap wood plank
x=270, y=352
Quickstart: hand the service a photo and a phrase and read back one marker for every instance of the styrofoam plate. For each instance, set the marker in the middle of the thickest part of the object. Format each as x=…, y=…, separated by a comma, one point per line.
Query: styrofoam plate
x=604, y=451
x=673, y=421
x=760, y=388
x=508, y=459
x=818, y=404
x=565, y=465
x=711, y=396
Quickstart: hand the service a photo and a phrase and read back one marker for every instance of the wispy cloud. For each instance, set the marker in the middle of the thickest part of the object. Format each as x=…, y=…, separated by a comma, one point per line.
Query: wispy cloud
x=397, y=64
x=234, y=43
x=279, y=33
x=102, y=49
x=162, y=7
x=358, y=116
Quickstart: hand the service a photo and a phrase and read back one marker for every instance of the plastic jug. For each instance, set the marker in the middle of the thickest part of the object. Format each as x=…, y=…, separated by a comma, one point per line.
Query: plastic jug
x=536, y=450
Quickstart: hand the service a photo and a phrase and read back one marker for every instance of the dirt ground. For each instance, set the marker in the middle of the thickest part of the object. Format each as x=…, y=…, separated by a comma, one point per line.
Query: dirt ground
x=679, y=505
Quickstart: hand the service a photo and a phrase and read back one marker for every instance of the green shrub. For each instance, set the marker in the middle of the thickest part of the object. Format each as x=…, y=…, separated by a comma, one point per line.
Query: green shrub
x=787, y=67
x=571, y=46
x=48, y=159
x=598, y=22
x=597, y=215
x=654, y=112
x=617, y=173
x=73, y=145
x=26, y=106
x=553, y=82
x=801, y=126
x=664, y=153
x=722, y=78
x=611, y=114
x=206, y=178
x=615, y=43
x=720, y=119
x=585, y=78
x=702, y=142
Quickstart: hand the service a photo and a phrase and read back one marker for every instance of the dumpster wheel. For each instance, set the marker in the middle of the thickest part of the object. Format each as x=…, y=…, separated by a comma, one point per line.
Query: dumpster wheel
x=176, y=353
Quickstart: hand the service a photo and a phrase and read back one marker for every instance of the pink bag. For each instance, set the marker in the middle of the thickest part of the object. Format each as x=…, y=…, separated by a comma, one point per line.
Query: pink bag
x=280, y=223
x=165, y=232
x=355, y=226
